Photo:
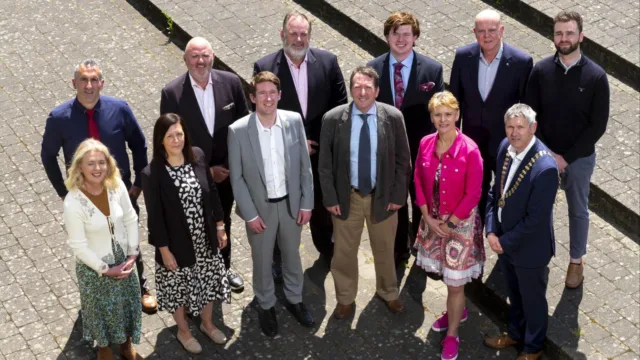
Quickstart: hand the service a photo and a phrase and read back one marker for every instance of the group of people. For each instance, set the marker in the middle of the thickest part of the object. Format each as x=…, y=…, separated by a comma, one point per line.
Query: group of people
x=304, y=155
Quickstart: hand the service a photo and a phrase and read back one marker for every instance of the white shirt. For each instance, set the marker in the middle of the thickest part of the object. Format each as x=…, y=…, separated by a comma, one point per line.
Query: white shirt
x=272, y=148
x=487, y=73
x=515, y=163
x=206, y=103
x=301, y=83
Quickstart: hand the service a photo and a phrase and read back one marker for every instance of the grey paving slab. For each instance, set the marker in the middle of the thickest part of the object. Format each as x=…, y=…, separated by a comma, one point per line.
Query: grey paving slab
x=610, y=23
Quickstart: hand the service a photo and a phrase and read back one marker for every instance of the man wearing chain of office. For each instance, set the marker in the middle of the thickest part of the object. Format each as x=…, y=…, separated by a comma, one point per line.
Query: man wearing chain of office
x=519, y=228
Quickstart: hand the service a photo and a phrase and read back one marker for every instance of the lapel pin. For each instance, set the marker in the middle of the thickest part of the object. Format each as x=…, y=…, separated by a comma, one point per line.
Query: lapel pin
x=507, y=64
x=581, y=89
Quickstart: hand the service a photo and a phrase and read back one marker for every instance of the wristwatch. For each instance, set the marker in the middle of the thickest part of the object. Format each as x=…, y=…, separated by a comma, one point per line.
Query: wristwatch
x=451, y=225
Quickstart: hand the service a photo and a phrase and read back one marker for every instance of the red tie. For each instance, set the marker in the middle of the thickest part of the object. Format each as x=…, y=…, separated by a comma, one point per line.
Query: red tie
x=93, y=126
x=398, y=85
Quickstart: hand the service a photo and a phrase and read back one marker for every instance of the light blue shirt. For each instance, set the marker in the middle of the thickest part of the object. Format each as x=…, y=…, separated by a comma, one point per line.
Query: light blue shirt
x=487, y=73
x=406, y=71
x=356, y=126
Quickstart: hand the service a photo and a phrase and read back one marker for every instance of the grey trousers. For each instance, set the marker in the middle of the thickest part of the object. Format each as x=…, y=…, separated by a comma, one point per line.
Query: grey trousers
x=575, y=182
x=283, y=228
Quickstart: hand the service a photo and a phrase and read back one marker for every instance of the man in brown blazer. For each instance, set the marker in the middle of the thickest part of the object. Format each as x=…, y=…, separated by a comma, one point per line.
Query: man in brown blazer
x=363, y=166
x=209, y=101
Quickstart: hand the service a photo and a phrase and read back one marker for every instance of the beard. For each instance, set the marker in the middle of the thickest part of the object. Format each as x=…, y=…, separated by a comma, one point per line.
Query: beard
x=293, y=53
x=566, y=51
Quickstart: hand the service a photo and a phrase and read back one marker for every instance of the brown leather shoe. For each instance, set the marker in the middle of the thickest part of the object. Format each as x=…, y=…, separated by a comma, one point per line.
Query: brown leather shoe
x=527, y=356
x=500, y=342
x=105, y=353
x=149, y=303
x=395, y=306
x=128, y=352
x=575, y=275
x=342, y=311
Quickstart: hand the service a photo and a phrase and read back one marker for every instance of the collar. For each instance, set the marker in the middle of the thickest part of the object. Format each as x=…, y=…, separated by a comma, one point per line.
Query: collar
x=78, y=104
x=262, y=128
x=406, y=62
x=581, y=61
x=355, y=111
x=498, y=55
x=195, y=84
x=521, y=156
x=304, y=61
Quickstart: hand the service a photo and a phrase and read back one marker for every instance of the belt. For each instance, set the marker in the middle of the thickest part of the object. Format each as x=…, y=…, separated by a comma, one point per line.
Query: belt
x=276, y=200
x=358, y=191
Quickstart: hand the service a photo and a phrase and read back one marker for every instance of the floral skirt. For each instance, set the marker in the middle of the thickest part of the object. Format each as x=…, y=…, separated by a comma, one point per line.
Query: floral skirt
x=459, y=257
x=111, y=309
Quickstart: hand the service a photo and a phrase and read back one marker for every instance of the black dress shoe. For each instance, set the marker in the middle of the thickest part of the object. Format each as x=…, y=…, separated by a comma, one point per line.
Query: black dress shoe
x=235, y=281
x=268, y=322
x=276, y=271
x=301, y=314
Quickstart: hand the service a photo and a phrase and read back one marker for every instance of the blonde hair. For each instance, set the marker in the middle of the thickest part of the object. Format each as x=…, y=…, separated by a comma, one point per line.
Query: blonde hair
x=443, y=98
x=75, y=179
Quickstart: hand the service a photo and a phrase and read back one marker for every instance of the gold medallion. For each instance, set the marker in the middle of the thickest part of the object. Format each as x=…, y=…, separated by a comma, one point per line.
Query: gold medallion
x=501, y=203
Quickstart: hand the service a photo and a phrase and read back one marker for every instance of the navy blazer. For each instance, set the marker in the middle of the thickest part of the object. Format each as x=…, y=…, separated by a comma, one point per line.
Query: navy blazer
x=325, y=81
x=483, y=121
x=166, y=220
x=414, y=108
x=526, y=231
x=178, y=97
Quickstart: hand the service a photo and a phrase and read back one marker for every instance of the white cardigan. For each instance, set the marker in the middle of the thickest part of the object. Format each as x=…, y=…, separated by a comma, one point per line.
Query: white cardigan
x=88, y=228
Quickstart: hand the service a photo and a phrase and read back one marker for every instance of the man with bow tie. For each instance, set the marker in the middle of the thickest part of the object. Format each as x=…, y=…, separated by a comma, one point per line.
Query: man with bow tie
x=487, y=78
x=408, y=80
x=519, y=227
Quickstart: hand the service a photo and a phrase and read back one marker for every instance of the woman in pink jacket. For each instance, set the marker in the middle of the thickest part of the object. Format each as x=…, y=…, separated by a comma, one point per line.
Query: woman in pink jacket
x=448, y=178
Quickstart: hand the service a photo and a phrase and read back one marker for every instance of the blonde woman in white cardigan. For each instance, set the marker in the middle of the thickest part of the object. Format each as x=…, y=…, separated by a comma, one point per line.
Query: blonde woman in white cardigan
x=103, y=234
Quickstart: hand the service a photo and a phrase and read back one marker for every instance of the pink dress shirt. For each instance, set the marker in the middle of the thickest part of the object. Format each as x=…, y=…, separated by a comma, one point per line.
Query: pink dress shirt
x=300, y=81
x=460, y=176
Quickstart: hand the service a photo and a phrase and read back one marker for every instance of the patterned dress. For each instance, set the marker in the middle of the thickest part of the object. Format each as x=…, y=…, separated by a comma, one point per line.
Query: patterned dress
x=110, y=308
x=459, y=257
x=205, y=281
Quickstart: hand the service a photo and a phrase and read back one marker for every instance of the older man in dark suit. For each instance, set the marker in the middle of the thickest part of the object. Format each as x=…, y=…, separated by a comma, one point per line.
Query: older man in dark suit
x=312, y=84
x=519, y=226
x=364, y=163
x=487, y=78
x=408, y=80
x=209, y=101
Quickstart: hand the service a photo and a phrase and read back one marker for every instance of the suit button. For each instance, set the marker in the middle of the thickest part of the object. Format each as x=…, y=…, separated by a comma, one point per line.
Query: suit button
x=444, y=179
x=456, y=170
x=445, y=166
x=445, y=203
x=444, y=192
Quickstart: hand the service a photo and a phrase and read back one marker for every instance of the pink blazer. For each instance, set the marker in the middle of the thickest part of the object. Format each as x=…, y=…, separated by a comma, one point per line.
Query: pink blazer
x=460, y=176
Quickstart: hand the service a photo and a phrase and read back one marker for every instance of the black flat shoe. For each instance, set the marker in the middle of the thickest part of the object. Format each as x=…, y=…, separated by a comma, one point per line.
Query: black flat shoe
x=301, y=314
x=235, y=281
x=268, y=321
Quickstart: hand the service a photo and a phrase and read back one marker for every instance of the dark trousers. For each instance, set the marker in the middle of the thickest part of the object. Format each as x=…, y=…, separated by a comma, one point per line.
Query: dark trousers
x=407, y=231
x=226, y=199
x=139, y=264
x=488, y=171
x=528, y=314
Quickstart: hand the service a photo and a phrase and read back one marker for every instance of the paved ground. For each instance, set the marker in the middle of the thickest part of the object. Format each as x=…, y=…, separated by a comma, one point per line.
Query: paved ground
x=610, y=23
x=38, y=291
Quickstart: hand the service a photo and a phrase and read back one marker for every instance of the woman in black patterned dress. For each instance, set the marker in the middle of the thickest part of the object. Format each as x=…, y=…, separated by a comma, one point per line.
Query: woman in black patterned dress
x=185, y=222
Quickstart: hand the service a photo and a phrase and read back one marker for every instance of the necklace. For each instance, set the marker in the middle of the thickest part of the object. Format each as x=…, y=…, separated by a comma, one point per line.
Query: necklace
x=503, y=198
x=93, y=193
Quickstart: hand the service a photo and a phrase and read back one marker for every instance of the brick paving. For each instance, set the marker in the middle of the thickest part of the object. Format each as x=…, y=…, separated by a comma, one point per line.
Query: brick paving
x=610, y=23
x=38, y=289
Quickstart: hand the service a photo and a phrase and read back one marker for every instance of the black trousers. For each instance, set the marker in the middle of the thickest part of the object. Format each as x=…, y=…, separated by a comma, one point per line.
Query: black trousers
x=226, y=199
x=488, y=172
x=144, y=286
x=407, y=231
x=528, y=314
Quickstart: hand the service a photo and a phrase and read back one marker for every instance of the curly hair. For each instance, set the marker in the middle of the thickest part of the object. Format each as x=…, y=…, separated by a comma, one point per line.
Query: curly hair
x=75, y=179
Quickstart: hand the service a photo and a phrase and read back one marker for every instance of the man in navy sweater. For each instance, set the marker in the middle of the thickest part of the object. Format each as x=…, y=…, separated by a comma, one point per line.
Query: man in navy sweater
x=103, y=118
x=570, y=93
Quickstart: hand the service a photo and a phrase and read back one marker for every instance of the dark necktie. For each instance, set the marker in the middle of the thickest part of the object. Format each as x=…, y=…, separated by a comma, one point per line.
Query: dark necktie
x=398, y=85
x=364, y=158
x=93, y=126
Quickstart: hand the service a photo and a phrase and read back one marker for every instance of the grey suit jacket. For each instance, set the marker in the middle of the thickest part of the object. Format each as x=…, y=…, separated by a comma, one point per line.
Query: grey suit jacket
x=393, y=160
x=247, y=168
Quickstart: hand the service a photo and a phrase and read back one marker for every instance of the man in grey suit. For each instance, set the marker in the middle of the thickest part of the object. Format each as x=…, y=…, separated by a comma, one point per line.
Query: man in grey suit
x=364, y=164
x=272, y=183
